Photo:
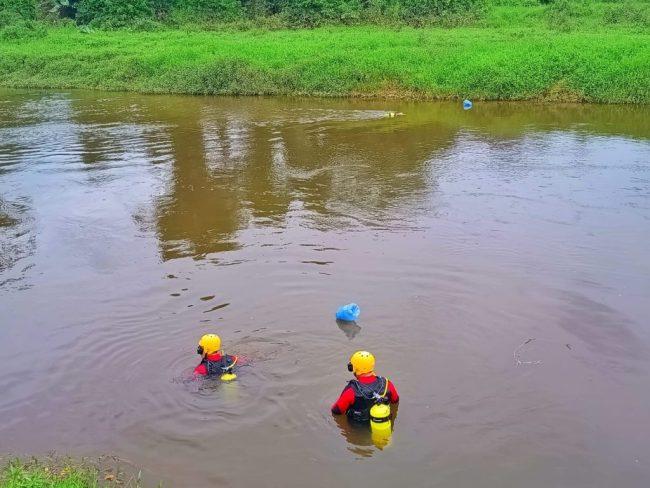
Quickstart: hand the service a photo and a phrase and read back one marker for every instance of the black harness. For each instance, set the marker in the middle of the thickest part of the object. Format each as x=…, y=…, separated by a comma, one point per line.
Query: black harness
x=365, y=396
x=223, y=365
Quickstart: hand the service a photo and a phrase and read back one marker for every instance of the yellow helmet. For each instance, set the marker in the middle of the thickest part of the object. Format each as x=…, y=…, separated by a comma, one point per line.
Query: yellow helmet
x=209, y=344
x=361, y=362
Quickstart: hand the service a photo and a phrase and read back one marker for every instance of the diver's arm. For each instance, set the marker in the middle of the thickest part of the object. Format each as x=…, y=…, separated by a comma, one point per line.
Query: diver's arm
x=201, y=370
x=344, y=402
x=392, y=393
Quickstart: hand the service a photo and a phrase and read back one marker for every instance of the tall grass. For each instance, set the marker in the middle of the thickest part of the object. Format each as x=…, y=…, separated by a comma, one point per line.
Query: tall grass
x=565, y=50
x=611, y=65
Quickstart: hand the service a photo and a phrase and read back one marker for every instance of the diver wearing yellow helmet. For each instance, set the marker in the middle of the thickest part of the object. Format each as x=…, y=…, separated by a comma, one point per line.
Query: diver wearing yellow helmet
x=213, y=362
x=365, y=390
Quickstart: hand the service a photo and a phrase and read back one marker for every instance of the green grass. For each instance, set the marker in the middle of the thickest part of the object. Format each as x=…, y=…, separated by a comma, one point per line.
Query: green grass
x=514, y=53
x=34, y=474
x=66, y=472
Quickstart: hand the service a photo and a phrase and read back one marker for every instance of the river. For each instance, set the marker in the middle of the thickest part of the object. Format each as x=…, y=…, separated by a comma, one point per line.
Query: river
x=500, y=257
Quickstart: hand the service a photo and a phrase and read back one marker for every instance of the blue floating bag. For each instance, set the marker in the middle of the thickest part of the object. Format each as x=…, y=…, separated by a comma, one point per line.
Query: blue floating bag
x=467, y=104
x=348, y=313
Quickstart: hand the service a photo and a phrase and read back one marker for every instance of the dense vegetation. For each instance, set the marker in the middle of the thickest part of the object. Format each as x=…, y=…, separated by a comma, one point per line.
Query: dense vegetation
x=120, y=13
x=564, y=50
x=146, y=14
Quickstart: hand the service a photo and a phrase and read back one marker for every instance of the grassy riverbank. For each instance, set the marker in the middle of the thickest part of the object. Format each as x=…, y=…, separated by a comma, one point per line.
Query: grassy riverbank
x=512, y=53
x=67, y=472
x=36, y=474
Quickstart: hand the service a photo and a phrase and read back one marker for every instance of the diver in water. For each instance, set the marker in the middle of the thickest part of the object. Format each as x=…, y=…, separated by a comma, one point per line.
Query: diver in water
x=213, y=362
x=365, y=391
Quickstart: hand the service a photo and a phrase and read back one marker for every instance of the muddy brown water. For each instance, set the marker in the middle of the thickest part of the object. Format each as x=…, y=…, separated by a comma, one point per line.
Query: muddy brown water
x=130, y=225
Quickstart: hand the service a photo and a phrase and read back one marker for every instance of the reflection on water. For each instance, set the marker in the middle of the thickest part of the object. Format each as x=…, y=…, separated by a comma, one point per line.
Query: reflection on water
x=362, y=439
x=350, y=329
x=234, y=169
x=130, y=225
x=358, y=436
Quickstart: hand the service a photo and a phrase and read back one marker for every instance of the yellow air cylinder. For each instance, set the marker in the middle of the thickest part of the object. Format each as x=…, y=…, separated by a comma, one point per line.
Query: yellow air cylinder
x=380, y=425
x=380, y=416
x=228, y=376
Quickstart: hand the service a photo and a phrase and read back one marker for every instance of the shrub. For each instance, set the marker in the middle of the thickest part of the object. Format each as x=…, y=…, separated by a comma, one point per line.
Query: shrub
x=25, y=29
x=112, y=13
x=8, y=17
x=209, y=10
x=261, y=8
x=627, y=13
x=315, y=12
x=424, y=11
x=17, y=20
x=562, y=14
x=310, y=13
x=142, y=14
x=26, y=9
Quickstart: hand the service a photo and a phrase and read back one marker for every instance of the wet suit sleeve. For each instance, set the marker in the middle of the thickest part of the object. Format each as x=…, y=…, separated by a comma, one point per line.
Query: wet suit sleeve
x=392, y=393
x=344, y=402
x=201, y=370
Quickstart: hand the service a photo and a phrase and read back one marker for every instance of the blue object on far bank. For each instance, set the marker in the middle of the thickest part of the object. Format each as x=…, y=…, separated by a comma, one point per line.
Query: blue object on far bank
x=467, y=104
x=348, y=313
